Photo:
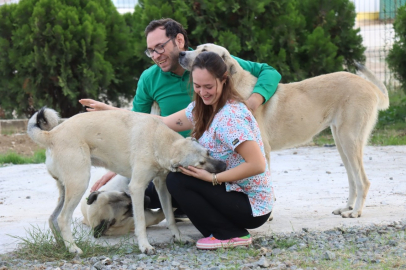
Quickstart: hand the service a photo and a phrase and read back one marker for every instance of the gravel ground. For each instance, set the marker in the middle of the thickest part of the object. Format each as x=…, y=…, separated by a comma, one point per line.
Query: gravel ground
x=356, y=247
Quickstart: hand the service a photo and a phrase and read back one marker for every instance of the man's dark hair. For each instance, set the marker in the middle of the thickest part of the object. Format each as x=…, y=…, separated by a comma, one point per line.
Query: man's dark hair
x=172, y=27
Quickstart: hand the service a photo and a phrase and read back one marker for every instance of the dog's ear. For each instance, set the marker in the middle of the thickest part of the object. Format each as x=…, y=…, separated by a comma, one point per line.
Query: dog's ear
x=92, y=197
x=232, y=70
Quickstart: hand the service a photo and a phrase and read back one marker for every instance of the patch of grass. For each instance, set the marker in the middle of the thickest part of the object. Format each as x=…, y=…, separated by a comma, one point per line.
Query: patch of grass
x=40, y=244
x=13, y=158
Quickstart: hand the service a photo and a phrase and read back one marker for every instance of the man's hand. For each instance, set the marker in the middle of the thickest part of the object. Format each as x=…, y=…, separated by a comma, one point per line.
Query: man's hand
x=254, y=101
x=93, y=105
x=197, y=173
x=102, y=181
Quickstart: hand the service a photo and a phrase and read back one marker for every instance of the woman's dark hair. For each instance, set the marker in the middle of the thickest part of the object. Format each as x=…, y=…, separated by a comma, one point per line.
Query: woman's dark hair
x=172, y=27
x=203, y=114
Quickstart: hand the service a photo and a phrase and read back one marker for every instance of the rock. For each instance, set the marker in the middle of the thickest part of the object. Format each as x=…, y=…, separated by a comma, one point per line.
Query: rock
x=263, y=262
x=328, y=255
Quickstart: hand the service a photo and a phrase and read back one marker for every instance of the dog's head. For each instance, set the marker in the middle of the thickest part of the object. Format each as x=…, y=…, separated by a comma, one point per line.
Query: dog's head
x=108, y=210
x=186, y=58
x=188, y=152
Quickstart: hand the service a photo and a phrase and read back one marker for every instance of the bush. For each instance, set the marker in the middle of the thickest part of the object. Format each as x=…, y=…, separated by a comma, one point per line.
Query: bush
x=54, y=52
x=397, y=55
x=300, y=39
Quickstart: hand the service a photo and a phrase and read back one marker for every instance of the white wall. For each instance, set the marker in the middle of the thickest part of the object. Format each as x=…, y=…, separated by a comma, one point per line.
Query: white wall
x=362, y=6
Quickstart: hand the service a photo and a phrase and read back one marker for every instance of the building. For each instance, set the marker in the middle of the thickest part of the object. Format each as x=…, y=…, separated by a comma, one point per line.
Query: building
x=377, y=9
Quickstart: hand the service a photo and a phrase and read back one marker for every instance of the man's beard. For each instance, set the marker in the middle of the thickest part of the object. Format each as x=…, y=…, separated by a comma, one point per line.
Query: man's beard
x=174, y=57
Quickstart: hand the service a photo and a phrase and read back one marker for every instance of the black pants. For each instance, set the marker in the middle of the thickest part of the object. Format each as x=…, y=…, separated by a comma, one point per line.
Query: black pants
x=154, y=201
x=211, y=209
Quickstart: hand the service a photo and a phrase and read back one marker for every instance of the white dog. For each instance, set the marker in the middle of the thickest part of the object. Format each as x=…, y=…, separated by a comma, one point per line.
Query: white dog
x=298, y=111
x=134, y=145
x=109, y=211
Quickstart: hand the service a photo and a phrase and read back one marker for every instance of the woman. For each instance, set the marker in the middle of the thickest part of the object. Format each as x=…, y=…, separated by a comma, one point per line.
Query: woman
x=222, y=123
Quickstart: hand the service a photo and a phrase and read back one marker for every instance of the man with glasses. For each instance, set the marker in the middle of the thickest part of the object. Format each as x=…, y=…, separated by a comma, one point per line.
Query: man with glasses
x=167, y=83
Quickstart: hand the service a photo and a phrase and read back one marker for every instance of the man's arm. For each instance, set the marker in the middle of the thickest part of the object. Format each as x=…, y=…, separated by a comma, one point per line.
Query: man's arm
x=265, y=88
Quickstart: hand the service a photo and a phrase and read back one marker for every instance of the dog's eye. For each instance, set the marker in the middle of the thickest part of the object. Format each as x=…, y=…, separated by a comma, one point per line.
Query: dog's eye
x=204, y=50
x=208, y=153
x=202, y=162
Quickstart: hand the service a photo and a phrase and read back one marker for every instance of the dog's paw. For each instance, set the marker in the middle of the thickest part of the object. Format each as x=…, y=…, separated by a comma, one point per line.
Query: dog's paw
x=184, y=239
x=340, y=210
x=351, y=214
x=74, y=249
x=148, y=249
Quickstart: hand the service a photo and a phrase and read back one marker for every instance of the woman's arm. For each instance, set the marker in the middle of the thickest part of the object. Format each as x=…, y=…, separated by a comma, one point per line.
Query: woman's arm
x=177, y=121
x=254, y=164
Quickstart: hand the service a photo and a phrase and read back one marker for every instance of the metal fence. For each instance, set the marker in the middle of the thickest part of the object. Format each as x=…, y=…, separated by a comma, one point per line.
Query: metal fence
x=376, y=29
x=378, y=36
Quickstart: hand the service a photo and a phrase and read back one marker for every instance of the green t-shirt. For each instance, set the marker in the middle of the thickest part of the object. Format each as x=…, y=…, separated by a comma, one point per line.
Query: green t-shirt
x=174, y=93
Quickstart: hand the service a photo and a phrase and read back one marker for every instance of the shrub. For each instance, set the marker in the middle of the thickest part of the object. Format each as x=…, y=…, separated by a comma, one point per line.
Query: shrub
x=300, y=39
x=397, y=55
x=54, y=52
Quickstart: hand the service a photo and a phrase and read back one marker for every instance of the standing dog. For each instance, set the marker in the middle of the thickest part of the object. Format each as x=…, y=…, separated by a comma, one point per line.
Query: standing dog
x=134, y=145
x=109, y=211
x=298, y=111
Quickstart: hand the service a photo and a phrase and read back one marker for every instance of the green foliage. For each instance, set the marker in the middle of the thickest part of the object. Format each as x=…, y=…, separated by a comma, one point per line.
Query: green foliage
x=397, y=55
x=299, y=38
x=54, y=52
x=13, y=158
x=396, y=113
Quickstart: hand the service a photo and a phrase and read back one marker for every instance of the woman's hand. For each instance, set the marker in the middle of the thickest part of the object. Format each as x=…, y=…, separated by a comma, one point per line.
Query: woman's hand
x=197, y=173
x=94, y=105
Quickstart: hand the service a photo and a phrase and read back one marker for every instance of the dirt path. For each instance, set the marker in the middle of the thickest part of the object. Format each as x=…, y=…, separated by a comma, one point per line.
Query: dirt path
x=309, y=184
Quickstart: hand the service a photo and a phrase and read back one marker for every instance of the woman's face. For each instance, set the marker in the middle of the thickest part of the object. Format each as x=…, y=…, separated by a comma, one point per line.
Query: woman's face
x=207, y=86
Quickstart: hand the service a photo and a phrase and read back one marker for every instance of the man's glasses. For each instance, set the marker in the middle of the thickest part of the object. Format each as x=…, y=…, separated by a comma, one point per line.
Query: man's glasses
x=160, y=49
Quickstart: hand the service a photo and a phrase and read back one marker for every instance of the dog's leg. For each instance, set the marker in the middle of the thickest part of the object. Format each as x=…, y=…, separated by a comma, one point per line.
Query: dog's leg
x=166, y=203
x=352, y=188
x=52, y=221
x=76, y=184
x=352, y=138
x=137, y=186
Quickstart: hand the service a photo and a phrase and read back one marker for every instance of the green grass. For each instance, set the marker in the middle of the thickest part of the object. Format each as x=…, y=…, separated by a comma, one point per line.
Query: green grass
x=13, y=158
x=40, y=244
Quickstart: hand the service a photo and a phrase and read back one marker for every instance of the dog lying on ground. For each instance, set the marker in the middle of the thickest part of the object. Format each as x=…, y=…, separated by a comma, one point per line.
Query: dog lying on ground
x=299, y=111
x=134, y=145
x=109, y=211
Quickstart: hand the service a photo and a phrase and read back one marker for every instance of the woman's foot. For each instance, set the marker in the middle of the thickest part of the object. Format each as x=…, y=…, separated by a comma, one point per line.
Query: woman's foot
x=213, y=243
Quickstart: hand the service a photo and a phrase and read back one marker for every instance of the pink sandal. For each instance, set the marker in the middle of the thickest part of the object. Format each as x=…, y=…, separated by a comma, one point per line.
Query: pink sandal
x=213, y=243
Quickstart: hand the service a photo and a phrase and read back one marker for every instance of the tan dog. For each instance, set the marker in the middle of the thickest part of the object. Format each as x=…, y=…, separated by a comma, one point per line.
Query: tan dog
x=134, y=145
x=109, y=211
x=298, y=111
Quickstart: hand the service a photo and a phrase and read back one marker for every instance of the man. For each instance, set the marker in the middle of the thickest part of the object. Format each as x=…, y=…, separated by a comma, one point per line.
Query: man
x=167, y=83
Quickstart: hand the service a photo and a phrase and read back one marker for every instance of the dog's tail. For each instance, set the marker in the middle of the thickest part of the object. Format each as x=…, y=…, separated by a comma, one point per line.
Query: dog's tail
x=384, y=101
x=40, y=123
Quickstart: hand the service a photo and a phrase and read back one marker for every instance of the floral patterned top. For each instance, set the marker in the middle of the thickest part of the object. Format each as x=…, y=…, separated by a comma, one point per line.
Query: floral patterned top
x=231, y=126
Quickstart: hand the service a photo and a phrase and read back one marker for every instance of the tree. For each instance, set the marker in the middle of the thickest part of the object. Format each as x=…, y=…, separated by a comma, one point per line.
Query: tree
x=397, y=55
x=58, y=51
x=300, y=39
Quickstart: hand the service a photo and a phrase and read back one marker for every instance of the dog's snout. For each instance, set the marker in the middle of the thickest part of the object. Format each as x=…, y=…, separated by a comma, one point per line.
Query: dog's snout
x=221, y=167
